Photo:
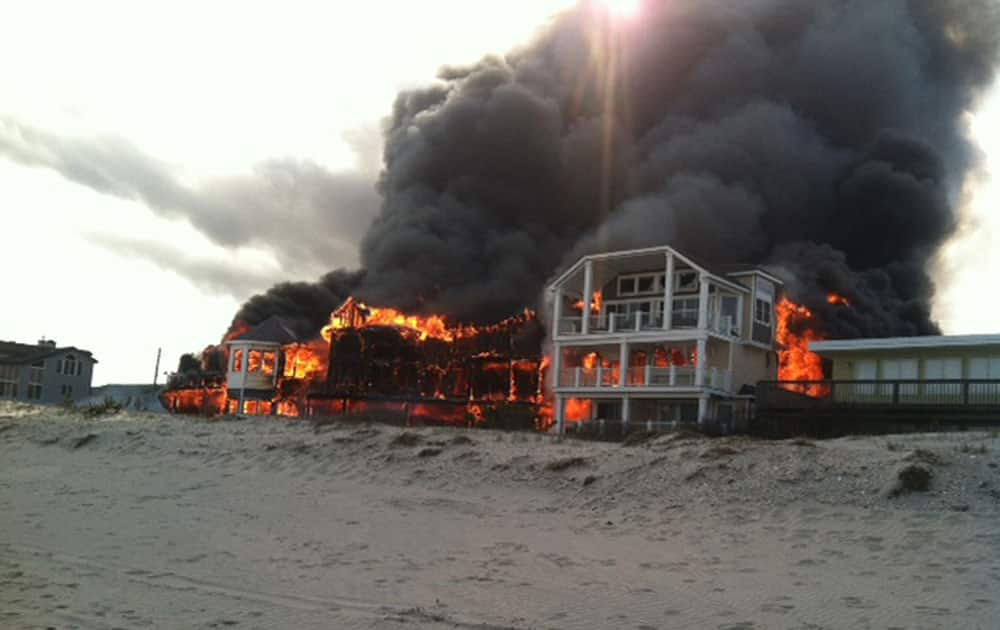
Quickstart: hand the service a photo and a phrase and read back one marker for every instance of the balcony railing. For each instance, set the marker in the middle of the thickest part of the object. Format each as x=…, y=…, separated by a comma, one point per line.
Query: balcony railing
x=644, y=376
x=809, y=394
x=611, y=323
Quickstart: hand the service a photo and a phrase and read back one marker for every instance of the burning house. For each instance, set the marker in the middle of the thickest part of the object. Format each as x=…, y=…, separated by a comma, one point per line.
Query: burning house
x=378, y=360
x=651, y=338
x=735, y=132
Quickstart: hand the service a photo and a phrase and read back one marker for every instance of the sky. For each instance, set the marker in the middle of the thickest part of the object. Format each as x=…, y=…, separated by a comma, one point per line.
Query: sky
x=229, y=106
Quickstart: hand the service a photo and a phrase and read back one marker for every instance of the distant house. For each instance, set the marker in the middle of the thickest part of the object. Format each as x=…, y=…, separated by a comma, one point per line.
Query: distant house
x=44, y=372
x=961, y=369
x=888, y=384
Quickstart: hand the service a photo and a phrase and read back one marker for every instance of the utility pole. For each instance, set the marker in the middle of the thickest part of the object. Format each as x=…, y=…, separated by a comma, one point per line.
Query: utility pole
x=156, y=372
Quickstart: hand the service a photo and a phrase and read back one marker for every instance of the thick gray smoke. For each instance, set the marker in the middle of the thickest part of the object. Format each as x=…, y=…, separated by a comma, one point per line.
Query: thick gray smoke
x=823, y=138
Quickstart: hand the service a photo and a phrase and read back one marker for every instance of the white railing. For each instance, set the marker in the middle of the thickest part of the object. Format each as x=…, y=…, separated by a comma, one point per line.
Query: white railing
x=722, y=324
x=645, y=376
x=610, y=323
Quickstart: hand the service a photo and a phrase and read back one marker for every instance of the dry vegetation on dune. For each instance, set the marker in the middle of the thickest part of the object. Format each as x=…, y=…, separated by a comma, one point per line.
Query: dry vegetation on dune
x=934, y=471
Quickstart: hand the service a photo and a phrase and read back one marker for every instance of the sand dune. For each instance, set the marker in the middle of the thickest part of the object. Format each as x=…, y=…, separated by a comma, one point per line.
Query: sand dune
x=150, y=521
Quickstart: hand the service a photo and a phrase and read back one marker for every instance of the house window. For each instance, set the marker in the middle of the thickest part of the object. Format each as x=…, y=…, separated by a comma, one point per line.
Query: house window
x=686, y=281
x=685, y=312
x=626, y=286
x=254, y=361
x=984, y=368
x=729, y=309
x=640, y=284
x=267, y=362
x=8, y=381
x=237, y=361
x=762, y=312
x=69, y=366
x=66, y=390
x=35, y=380
x=943, y=369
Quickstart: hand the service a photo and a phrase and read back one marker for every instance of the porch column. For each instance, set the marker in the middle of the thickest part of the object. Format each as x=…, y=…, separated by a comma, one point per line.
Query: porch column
x=556, y=376
x=699, y=366
x=668, y=293
x=560, y=415
x=703, y=303
x=702, y=410
x=623, y=356
x=740, y=316
x=626, y=412
x=244, y=363
x=557, y=312
x=729, y=372
x=588, y=294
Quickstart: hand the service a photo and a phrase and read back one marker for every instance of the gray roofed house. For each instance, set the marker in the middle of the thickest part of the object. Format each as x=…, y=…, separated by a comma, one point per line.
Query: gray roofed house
x=44, y=372
x=271, y=330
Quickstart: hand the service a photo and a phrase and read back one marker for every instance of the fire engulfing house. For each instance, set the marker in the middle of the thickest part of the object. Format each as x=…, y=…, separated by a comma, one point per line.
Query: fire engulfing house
x=650, y=337
x=375, y=360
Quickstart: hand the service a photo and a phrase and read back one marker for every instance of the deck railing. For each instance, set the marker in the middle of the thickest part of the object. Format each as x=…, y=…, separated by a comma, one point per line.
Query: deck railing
x=937, y=392
x=644, y=376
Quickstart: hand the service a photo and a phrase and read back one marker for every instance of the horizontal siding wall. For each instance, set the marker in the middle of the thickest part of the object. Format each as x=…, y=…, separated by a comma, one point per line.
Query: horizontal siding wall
x=843, y=363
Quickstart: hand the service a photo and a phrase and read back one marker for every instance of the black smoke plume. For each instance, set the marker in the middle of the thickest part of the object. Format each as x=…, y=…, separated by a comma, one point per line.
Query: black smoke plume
x=823, y=138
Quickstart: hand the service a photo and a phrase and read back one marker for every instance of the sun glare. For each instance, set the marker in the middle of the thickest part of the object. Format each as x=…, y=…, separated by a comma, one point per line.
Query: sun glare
x=622, y=7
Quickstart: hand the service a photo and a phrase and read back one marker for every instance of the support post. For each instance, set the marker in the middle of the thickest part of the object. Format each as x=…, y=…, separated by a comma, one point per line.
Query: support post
x=703, y=302
x=646, y=375
x=588, y=294
x=557, y=361
x=673, y=375
x=626, y=413
x=729, y=369
x=557, y=313
x=699, y=366
x=623, y=362
x=668, y=293
x=560, y=415
x=156, y=370
x=244, y=361
x=576, y=377
x=702, y=410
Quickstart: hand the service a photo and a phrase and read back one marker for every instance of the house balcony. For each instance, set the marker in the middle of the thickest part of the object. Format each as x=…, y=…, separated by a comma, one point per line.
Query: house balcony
x=644, y=378
x=622, y=324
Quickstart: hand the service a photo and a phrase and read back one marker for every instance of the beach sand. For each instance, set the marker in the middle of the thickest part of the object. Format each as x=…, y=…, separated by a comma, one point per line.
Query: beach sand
x=151, y=521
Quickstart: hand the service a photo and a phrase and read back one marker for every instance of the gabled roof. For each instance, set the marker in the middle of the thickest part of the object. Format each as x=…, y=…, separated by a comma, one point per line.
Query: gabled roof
x=905, y=343
x=713, y=270
x=13, y=352
x=272, y=330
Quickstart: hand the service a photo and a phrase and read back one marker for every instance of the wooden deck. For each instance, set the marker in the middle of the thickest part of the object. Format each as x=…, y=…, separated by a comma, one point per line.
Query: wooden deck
x=831, y=408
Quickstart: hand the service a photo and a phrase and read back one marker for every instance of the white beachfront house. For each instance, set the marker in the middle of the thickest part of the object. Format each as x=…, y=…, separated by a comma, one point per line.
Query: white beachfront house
x=693, y=341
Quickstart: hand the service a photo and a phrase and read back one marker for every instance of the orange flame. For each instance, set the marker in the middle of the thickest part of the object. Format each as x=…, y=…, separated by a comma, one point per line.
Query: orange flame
x=595, y=304
x=577, y=410
x=795, y=362
x=354, y=314
x=838, y=300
